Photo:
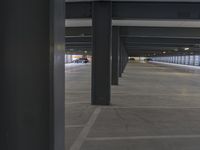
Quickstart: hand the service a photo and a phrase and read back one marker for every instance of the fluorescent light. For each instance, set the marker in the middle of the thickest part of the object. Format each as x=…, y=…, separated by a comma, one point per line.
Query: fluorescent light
x=186, y=49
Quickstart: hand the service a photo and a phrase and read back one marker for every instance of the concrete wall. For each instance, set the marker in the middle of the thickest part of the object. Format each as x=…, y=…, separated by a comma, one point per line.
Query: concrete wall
x=193, y=60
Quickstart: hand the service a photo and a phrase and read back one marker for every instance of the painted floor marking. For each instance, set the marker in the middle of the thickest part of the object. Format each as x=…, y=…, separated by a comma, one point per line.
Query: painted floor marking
x=82, y=136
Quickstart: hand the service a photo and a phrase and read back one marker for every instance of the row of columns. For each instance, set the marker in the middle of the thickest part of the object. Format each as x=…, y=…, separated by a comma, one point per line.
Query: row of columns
x=32, y=71
x=109, y=53
x=119, y=56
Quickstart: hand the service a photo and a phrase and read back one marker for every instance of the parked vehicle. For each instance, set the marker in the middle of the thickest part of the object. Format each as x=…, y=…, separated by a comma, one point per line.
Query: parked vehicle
x=81, y=60
x=148, y=59
x=131, y=59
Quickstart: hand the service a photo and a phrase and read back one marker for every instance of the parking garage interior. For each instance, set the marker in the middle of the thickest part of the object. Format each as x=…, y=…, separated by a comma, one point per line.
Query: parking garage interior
x=139, y=88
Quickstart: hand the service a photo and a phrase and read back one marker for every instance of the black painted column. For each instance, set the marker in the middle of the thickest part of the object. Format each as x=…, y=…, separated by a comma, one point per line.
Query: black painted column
x=32, y=74
x=123, y=60
x=115, y=55
x=120, y=62
x=120, y=58
x=126, y=59
x=102, y=41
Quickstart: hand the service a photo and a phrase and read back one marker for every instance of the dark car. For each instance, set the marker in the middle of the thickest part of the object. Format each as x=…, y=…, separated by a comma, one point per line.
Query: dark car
x=148, y=59
x=81, y=60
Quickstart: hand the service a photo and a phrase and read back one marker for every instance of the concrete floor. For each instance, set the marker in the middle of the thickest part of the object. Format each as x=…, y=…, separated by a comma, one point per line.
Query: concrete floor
x=155, y=107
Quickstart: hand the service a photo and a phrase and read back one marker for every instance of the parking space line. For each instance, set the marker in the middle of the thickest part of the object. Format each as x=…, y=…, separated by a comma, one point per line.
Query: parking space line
x=142, y=137
x=150, y=107
x=82, y=136
x=74, y=126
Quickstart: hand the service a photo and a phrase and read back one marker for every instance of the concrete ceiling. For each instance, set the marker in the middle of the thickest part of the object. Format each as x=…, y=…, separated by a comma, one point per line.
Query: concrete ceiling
x=141, y=51
x=137, y=0
x=144, y=23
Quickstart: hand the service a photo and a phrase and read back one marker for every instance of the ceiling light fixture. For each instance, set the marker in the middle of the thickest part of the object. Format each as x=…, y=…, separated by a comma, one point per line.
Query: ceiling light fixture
x=186, y=49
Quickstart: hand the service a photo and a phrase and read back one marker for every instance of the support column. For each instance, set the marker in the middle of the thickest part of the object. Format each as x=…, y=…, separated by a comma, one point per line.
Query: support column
x=121, y=59
x=193, y=60
x=188, y=60
x=125, y=59
x=32, y=74
x=115, y=55
x=102, y=41
x=180, y=60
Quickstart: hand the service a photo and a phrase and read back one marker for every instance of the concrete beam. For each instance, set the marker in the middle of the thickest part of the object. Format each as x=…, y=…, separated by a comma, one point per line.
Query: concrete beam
x=160, y=32
x=78, y=10
x=135, y=10
x=160, y=40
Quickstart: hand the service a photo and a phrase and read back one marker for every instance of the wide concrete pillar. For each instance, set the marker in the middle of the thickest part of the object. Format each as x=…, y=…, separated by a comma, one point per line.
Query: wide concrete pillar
x=32, y=74
x=101, y=64
x=115, y=55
